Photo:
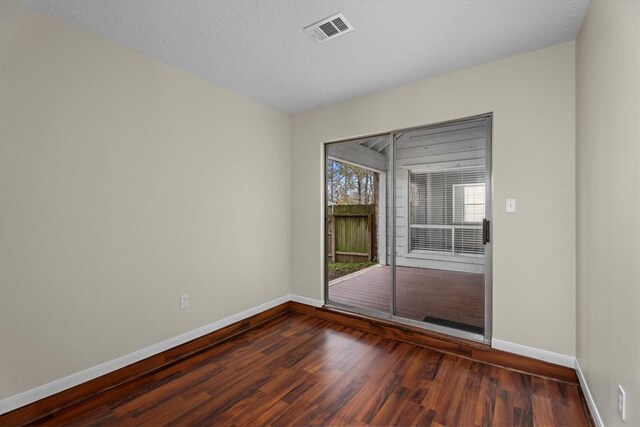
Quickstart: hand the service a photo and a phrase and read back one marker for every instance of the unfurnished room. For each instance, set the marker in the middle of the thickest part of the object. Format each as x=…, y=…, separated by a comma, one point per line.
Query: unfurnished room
x=320, y=213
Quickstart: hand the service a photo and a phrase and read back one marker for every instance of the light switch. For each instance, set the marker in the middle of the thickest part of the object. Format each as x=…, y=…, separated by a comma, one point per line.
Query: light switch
x=511, y=205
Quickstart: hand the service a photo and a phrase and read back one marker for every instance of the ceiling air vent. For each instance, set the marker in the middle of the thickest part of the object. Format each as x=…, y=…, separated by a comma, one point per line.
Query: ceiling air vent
x=329, y=28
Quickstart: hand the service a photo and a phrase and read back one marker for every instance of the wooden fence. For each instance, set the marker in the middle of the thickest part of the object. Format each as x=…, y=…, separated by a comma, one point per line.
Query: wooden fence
x=351, y=232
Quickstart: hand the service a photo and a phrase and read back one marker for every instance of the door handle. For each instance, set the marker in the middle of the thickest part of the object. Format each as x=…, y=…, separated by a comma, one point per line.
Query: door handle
x=486, y=231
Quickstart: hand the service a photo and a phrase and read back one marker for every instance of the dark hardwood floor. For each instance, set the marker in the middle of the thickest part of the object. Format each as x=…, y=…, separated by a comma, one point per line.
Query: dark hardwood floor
x=420, y=292
x=301, y=370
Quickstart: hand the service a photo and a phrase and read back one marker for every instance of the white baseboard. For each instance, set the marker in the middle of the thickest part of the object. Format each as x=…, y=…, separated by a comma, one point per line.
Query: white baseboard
x=536, y=353
x=37, y=393
x=13, y=402
x=595, y=414
x=306, y=300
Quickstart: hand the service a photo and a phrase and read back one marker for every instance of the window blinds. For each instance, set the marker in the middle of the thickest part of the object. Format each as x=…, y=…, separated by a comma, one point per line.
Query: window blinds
x=446, y=209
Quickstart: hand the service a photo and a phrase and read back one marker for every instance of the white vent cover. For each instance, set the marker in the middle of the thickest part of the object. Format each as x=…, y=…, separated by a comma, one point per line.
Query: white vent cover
x=329, y=28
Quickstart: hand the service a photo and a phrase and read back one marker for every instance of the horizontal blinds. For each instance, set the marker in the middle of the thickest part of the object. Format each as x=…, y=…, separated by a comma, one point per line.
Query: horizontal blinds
x=446, y=209
x=448, y=197
x=446, y=183
x=446, y=179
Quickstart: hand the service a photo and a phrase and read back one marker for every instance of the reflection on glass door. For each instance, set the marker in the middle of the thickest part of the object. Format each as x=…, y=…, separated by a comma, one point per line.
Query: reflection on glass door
x=442, y=212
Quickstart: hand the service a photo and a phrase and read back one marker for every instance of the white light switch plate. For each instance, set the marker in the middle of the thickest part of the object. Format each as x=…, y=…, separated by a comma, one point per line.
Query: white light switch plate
x=510, y=205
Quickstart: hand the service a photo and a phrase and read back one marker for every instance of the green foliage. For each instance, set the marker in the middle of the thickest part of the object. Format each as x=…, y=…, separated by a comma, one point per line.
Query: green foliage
x=348, y=267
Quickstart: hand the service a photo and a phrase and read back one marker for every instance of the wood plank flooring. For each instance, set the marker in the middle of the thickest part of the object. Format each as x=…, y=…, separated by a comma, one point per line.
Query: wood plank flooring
x=421, y=292
x=301, y=370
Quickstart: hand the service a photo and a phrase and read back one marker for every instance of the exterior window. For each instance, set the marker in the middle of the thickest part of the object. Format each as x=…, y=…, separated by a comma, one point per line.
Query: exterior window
x=446, y=209
x=469, y=201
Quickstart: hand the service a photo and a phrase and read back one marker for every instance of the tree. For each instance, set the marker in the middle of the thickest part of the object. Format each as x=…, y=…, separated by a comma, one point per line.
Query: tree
x=348, y=184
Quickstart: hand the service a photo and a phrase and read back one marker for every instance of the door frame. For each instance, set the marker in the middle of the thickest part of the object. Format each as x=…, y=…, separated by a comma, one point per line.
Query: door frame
x=390, y=315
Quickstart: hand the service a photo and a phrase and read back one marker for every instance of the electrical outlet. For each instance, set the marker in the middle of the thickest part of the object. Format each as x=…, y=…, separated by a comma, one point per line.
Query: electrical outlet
x=184, y=301
x=621, y=402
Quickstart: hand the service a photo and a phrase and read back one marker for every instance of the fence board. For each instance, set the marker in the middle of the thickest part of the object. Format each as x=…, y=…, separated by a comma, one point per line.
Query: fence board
x=350, y=229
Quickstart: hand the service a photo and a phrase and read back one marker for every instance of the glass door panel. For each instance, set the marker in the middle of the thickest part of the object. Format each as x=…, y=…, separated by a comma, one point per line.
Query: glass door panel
x=441, y=211
x=358, y=259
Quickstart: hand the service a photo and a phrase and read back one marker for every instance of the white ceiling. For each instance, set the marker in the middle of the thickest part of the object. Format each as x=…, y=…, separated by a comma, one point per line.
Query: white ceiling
x=258, y=48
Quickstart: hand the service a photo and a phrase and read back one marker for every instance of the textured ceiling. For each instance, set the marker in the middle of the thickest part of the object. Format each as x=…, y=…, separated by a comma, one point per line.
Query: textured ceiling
x=258, y=48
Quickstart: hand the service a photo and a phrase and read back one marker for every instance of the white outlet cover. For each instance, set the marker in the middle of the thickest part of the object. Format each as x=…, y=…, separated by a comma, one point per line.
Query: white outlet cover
x=621, y=402
x=184, y=301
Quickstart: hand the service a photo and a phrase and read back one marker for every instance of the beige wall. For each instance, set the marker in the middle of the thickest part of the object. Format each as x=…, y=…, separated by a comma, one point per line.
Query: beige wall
x=608, y=205
x=532, y=98
x=125, y=182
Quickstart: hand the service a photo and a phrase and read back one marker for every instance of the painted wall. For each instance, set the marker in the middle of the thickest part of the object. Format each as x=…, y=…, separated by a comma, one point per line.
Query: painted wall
x=533, y=101
x=125, y=182
x=608, y=205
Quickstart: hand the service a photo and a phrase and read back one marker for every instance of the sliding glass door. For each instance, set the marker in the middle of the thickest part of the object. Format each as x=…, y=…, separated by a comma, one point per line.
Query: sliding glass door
x=408, y=226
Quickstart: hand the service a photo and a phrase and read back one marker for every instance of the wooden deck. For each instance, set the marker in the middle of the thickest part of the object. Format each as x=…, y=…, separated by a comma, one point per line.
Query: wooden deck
x=421, y=292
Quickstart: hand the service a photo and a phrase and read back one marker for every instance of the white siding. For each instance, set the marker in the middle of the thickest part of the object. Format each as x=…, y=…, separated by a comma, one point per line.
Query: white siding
x=444, y=147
